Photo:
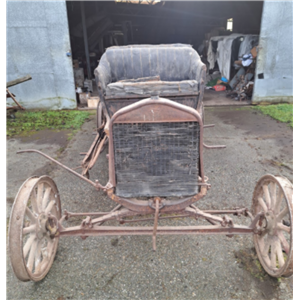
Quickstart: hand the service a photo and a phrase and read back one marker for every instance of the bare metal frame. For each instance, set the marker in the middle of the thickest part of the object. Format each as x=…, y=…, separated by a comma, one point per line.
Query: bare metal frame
x=157, y=110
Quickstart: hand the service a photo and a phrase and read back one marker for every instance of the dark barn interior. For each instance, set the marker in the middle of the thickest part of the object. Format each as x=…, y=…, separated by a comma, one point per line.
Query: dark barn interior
x=111, y=23
x=96, y=25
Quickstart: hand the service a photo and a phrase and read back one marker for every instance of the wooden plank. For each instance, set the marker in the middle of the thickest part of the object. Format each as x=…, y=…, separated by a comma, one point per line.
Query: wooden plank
x=10, y=94
x=12, y=107
x=18, y=80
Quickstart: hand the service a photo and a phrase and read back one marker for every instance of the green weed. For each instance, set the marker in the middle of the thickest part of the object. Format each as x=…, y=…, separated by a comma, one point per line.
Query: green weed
x=280, y=112
x=31, y=121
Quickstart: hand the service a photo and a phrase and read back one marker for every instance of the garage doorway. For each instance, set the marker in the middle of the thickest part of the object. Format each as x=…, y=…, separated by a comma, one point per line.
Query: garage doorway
x=221, y=32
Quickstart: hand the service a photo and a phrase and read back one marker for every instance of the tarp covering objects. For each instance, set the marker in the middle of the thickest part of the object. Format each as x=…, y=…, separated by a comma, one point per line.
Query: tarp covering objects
x=178, y=66
x=220, y=50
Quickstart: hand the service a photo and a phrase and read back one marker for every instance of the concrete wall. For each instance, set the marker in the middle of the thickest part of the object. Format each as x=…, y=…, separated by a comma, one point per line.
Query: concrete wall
x=37, y=43
x=275, y=58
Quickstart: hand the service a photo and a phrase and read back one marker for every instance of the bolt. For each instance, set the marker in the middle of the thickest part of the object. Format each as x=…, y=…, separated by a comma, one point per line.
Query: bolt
x=18, y=217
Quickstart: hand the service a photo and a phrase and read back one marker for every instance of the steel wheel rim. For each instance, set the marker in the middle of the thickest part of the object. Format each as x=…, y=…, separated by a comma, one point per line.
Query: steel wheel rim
x=274, y=247
x=32, y=251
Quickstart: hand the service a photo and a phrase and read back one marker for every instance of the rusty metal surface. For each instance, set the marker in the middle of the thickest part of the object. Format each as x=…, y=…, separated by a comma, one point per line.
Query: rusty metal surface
x=115, y=104
x=165, y=111
x=148, y=230
x=93, y=227
x=97, y=185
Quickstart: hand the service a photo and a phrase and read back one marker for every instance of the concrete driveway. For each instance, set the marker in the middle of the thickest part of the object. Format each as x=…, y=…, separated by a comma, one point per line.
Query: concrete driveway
x=183, y=267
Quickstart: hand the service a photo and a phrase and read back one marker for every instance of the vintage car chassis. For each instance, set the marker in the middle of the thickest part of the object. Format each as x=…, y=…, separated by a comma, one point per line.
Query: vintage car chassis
x=33, y=243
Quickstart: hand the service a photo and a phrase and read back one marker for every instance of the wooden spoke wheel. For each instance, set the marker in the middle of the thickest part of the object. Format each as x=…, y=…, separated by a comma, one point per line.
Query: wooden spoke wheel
x=274, y=246
x=32, y=247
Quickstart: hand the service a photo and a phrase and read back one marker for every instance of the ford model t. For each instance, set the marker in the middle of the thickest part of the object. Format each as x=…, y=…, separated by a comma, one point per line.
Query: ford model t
x=151, y=115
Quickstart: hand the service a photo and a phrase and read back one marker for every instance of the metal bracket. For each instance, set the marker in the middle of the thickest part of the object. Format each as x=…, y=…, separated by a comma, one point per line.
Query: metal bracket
x=152, y=203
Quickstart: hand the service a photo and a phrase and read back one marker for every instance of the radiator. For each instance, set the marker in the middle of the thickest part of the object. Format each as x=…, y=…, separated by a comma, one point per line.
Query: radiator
x=156, y=159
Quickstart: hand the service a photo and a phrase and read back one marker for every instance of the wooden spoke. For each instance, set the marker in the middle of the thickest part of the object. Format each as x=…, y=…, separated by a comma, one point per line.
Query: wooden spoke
x=34, y=202
x=278, y=202
x=282, y=213
x=32, y=255
x=38, y=260
x=46, y=198
x=284, y=242
x=266, y=247
x=283, y=227
x=29, y=229
x=279, y=254
x=27, y=245
x=273, y=255
x=267, y=195
x=30, y=215
x=44, y=253
x=262, y=204
x=49, y=207
x=40, y=191
x=273, y=193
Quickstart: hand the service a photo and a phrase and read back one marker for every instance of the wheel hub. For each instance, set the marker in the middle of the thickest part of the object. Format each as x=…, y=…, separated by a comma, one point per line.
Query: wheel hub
x=41, y=229
x=271, y=222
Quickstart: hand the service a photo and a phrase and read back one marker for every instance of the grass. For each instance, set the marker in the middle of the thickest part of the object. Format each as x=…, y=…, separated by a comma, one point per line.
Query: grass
x=31, y=121
x=280, y=112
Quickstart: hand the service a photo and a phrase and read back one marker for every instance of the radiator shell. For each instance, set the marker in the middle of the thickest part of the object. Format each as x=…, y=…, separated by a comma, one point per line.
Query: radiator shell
x=156, y=159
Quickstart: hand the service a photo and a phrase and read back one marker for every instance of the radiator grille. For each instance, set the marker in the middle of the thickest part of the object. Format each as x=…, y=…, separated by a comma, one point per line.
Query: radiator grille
x=156, y=159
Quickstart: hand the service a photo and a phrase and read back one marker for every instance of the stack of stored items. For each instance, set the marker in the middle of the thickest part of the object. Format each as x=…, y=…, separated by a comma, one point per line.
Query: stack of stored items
x=241, y=84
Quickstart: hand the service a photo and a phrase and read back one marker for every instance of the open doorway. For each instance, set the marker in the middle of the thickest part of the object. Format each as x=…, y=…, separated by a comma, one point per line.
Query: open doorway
x=223, y=33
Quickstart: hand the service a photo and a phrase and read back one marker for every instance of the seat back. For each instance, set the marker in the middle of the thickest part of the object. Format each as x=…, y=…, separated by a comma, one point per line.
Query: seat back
x=174, y=62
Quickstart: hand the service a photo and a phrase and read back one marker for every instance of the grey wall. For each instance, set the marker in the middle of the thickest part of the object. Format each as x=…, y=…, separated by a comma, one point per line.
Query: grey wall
x=37, y=43
x=275, y=57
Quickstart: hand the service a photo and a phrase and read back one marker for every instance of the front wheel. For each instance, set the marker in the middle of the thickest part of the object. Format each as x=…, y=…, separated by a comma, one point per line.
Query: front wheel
x=32, y=247
x=274, y=245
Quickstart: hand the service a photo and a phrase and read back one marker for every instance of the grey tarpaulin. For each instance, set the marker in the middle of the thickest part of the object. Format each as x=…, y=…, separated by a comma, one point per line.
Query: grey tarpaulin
x=174, y=62
x=211, y=54
x=223, y=53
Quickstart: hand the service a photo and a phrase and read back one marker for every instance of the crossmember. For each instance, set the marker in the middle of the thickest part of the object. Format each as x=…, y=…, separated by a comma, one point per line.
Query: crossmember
x=93, y=226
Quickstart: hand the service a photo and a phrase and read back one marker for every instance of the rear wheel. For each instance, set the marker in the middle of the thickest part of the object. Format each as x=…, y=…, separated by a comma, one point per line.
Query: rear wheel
x=32, y=247
x=274, y=246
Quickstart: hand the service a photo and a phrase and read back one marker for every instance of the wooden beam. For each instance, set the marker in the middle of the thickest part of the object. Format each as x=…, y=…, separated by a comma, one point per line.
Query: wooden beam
x=18, y=80
x=19, y=105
